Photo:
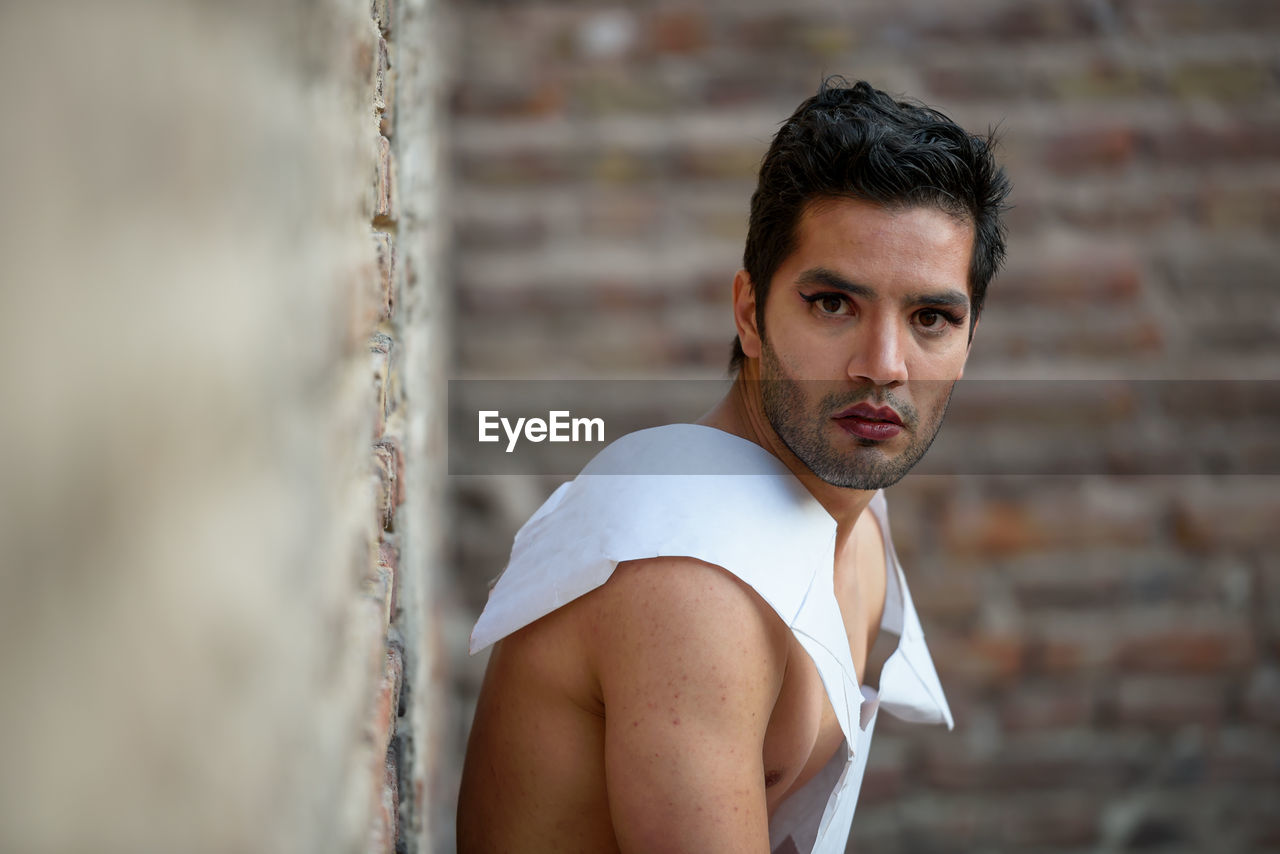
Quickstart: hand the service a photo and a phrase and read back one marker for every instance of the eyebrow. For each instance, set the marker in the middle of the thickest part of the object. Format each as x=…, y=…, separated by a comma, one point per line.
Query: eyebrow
x=831, y=279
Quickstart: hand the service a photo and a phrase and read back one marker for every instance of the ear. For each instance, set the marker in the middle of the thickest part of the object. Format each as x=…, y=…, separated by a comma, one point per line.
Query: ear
x=744, y=314
x=968, y=348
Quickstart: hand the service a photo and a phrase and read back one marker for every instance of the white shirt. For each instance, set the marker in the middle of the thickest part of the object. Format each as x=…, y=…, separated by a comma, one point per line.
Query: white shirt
x=694, y=491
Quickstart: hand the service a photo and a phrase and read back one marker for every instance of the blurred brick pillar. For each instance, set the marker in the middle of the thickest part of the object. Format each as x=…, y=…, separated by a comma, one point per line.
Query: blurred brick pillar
x=220, y=313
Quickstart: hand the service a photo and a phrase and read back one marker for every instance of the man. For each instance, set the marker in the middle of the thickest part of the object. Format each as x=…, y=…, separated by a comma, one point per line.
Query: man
x=690, y=662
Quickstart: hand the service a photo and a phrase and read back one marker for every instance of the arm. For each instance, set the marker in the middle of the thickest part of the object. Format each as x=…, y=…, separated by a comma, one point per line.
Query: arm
x=689, y=662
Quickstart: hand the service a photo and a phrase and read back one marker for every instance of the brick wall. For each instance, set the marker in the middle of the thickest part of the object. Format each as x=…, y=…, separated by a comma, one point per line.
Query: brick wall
x=220, y=370
x=1109, y=643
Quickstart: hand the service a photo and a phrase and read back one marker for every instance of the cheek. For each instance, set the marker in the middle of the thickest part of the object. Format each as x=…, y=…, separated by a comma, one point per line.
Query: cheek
x=805, y=376
x=942, y=366
x=809, y=355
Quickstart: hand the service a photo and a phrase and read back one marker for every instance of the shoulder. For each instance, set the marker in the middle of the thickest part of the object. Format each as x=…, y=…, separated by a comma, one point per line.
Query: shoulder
x=690, y=664
x=684, y=618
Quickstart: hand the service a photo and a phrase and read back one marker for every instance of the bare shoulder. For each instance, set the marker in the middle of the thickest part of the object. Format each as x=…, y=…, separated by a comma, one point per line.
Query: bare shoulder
x=690, y=663
x=686, y=615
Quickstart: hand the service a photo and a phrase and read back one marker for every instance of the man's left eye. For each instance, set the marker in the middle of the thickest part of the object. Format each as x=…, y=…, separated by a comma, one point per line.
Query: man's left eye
x=831, y=304
x=934, y=320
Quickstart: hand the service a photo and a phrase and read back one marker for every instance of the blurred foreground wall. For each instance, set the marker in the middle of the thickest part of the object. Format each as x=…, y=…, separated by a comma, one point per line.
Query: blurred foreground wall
x=1110, y=644
x=219, y=361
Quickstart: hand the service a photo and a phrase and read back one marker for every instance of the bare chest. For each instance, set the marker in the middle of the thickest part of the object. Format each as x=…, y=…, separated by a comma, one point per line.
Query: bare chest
x=803, y=732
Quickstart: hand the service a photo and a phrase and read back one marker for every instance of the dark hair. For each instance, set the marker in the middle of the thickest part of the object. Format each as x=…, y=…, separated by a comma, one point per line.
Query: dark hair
x=857, y=142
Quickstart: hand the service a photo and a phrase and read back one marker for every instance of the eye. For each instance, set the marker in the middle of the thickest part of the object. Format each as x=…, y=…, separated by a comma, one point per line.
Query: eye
x=829, y=304
x=935, y=321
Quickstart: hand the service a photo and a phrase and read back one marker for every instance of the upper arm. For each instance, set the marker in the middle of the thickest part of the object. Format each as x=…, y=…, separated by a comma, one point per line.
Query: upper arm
x=689, y=661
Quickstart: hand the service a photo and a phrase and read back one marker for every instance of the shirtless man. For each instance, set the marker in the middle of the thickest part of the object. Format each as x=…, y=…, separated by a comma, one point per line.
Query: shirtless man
x=680, y=702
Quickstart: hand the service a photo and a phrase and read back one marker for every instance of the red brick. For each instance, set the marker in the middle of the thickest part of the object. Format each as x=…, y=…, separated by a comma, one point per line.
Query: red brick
x=1169, y=702
x=1089, y=149
x=1112, y=279
x=1255, y=207
x=630, y=214
x=1069, y=584
x=881, y=783
x=1232, y=139
x=387, y=702
x=721, y=163
x=1090, y=337
x=382, y=837
x=996, y=528
x=1058, y=823
x=974, y=77
x=1022, y=768
x=1223, y=80
x=389, y=560
x=614, y=92
x=1060, y=656
x=1188, y=650
x=618, y=167
x=384, y=183
x=678, y=31
x=1063, y=704
x=1004, y=655
x=387, y=116
x=385, y=251
x=389, y=464
x=1262, y=697
x=1254, y=758
x=519, y=167
x=380, y=365
x=1069, y=519
x=947, y=596
x=1010, y=22
x=1199, y=17
x=954, y=770
x=811, y=34
x=533, y=98
x=982, y=661
x=1242, y=517
x=1138, y=212
x=499, y=234
x=1099, y=79
x=381, y=65
x=385, y=774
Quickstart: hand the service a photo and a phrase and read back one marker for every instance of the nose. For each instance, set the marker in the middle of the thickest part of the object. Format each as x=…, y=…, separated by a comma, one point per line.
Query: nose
x=879, y=355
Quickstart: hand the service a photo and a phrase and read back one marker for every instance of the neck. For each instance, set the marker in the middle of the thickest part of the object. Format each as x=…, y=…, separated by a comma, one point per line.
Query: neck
x=741, y=412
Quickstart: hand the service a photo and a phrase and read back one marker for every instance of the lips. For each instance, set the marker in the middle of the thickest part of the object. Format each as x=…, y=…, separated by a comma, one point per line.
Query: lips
x=865, y=421
x=867, y=412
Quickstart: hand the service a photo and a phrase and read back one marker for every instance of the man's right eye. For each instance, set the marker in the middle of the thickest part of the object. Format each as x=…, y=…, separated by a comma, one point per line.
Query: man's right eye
x=829, y=304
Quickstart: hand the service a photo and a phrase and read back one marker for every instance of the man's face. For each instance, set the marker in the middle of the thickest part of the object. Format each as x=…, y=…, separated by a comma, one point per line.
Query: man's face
x=866, y=332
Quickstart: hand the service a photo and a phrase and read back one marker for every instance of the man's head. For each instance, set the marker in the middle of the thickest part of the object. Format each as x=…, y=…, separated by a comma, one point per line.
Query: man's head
x=874, y=233
x=860, y=143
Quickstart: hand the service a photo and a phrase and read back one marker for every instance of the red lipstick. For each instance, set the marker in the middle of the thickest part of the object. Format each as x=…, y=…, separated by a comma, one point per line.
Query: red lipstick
x=869, y=422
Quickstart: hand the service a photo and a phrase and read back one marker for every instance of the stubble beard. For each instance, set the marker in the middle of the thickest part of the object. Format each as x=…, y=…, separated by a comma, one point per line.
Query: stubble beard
x=804, y=431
